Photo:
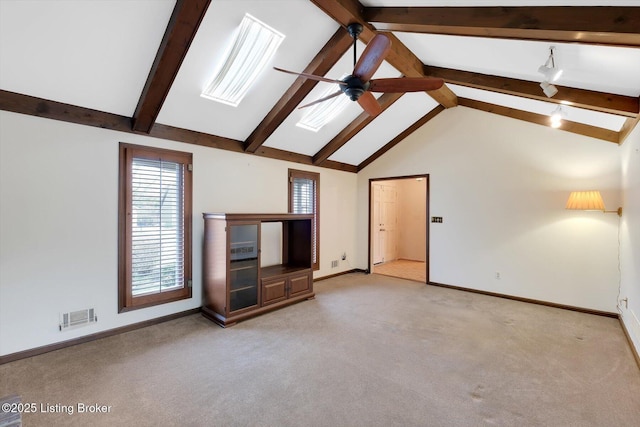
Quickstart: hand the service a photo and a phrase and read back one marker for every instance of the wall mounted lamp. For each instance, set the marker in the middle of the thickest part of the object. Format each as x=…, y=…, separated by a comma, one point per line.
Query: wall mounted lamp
x=588, y=201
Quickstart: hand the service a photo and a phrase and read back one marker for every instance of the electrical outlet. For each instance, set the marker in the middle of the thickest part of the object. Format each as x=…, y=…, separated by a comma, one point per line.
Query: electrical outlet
x=498, y=276
x=624, y=301
x=437, y=219
x=334, y=264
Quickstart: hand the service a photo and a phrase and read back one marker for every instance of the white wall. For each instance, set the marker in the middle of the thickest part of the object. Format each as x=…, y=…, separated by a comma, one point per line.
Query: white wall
x=630, y=237
x=501, y=186
x=59, y=216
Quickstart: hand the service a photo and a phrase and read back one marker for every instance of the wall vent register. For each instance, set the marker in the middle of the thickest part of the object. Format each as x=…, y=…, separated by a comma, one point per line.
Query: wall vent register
x=77, y=318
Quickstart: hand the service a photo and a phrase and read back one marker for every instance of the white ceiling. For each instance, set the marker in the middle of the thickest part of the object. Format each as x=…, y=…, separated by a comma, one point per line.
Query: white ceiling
x=97, y=54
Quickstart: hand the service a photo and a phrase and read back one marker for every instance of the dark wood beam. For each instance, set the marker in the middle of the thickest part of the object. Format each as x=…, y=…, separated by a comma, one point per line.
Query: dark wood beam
x=275, y=153
x=386, y=100
x=542, y=119
x=404, y=134
x=195, y=138
x=38, y=107
x=583, y=24
x=180, y=32
x=332, y=51
x=32, y=106
x=628, y=106
x=346, y=12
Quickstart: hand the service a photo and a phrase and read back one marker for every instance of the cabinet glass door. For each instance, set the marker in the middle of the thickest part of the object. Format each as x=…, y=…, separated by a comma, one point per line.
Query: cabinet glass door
x=244, y=266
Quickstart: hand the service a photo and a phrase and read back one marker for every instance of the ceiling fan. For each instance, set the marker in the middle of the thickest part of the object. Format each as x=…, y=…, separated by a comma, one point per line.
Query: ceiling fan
x=358, y=85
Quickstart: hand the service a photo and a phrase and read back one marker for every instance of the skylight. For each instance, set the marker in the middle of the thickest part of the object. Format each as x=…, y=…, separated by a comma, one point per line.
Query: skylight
x=253, y=48
x=322, y=113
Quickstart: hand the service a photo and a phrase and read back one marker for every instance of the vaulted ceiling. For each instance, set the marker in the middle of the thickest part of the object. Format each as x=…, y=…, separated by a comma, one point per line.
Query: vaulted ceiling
x=139, y=66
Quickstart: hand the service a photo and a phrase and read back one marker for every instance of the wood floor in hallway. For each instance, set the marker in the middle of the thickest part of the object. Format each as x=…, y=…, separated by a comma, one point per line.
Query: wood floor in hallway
x=404, y=269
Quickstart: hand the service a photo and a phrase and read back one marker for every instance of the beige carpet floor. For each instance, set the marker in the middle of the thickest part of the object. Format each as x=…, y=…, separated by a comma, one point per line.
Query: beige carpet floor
x=368, y=351
x=403, y=268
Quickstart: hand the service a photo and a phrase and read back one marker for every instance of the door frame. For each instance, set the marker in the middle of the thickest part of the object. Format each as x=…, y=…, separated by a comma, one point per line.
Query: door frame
x=370, y=221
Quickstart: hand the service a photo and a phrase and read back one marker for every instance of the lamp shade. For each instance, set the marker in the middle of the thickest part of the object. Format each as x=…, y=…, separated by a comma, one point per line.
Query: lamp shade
x=585, y=201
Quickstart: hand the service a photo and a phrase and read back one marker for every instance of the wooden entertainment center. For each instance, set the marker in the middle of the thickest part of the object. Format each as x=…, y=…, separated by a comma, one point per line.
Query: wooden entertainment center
x=236, y=285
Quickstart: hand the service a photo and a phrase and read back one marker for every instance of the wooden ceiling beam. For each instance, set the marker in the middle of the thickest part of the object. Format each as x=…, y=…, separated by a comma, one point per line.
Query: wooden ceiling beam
x=386, y=100
x=606, y=25
x=332, y=51
x=404, y=134
x=628, y=106
x=181, y=30
x=346, y=12
x=275, y=153
x=628, y=127
x=542, y=119
x=38, y=107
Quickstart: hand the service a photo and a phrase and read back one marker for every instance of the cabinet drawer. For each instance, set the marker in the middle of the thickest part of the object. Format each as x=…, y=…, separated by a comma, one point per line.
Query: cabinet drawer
x=274, y=290
x=299, y=284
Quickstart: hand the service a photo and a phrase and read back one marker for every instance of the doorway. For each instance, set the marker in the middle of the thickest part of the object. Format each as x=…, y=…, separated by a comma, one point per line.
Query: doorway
x=399, y=227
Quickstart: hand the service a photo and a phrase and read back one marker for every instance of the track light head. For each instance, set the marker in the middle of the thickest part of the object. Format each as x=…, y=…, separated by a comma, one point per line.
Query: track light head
x=551, y=74
x=556, y=117
x=548, y=89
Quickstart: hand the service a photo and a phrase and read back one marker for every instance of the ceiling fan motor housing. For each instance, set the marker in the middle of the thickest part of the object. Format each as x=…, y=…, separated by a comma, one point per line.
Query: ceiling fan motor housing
x=354, y=87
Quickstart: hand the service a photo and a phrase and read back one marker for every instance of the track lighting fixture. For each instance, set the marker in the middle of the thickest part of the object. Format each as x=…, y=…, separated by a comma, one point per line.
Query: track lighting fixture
x=556, y=117
x=548, y=89
x=549, y=70
x=551, y=74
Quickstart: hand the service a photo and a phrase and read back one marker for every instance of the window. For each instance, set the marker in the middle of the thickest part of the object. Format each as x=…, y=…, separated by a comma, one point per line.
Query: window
x=254, y=46
x=154, y=226
x=320, y=114
x=304, y=198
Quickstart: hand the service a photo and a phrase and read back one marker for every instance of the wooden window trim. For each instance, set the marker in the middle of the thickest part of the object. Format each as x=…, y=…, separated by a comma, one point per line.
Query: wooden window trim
x=126, y=301
x=294, y=173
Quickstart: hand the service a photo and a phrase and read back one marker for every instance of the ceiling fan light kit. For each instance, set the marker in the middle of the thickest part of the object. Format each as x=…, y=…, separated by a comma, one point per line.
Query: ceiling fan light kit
x=358, y=85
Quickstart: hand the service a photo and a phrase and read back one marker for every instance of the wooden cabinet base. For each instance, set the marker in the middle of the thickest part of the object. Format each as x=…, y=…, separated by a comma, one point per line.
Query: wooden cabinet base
x=235, y=318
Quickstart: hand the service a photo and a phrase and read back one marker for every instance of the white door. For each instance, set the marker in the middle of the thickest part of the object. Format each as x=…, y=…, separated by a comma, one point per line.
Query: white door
x=384, y=233
x=389, y=221
x=376, y=235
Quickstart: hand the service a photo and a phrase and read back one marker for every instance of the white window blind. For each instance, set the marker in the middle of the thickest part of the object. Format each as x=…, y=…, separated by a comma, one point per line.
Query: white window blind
x=157, y=226
x=304, y=202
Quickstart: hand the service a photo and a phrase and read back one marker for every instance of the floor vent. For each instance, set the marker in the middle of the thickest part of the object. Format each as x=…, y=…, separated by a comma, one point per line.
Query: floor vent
x=77, y=318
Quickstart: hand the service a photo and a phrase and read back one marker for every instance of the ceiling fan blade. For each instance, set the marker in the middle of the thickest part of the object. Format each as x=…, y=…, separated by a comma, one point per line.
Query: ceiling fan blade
x=370, y=104
x=372, y=57
x=317, y=101
x=310, y=76
x=405, y=84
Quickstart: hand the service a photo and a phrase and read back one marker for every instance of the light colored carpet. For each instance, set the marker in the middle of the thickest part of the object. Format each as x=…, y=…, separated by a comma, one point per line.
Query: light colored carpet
x=403, y=268
x=368, y=351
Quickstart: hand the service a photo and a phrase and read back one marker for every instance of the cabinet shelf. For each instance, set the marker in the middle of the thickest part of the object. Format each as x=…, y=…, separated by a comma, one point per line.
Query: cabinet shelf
x=280, y=269
x=243, y=288
x=248, y=267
